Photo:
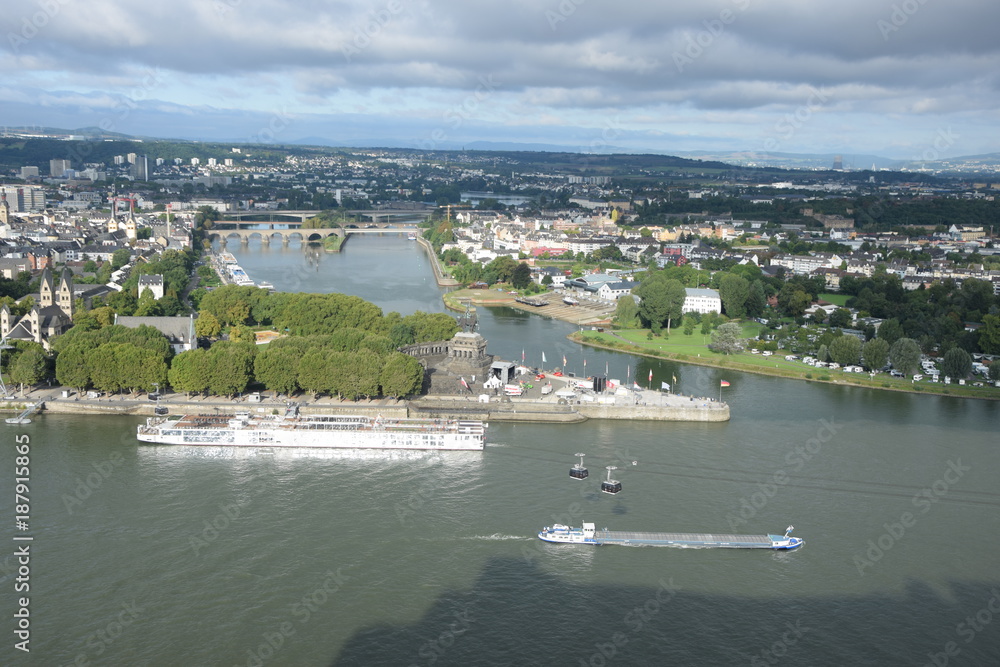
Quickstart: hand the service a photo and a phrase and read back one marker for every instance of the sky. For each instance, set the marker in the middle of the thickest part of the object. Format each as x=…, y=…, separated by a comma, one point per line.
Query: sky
x=904, y=79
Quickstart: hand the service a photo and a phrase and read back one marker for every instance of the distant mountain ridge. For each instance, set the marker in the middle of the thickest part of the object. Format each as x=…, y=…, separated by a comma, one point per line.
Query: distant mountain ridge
x=984, y=163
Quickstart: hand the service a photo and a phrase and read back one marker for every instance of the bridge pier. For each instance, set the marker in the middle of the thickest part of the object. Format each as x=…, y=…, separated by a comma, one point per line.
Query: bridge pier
x=265, y=239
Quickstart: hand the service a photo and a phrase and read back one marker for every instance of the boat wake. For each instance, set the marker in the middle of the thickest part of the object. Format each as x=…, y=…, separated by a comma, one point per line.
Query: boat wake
x=497, y=537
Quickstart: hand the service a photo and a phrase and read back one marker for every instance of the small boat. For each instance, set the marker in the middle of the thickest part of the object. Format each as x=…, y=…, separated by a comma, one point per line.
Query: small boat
x=17, y=420
x=570, y=301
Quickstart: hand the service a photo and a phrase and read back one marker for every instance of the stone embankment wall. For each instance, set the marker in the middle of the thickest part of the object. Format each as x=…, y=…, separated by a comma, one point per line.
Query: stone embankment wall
x=438, y=408
x=442, y=280
x=717, y=413
x=520, y=411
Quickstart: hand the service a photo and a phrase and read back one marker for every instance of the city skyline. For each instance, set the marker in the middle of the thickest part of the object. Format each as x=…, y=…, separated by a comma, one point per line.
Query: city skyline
x=910, y=80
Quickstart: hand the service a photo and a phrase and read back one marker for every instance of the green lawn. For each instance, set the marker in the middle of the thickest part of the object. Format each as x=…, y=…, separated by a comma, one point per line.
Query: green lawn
x=838, y=299
x=693, y=349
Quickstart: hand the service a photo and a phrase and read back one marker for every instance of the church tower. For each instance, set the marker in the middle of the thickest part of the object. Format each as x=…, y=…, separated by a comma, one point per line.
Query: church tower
x=46, y=289
x=65, y=296
x=4, y=210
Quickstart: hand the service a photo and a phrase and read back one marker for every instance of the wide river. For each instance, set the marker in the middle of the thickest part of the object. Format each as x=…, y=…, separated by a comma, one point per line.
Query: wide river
x=147, y=555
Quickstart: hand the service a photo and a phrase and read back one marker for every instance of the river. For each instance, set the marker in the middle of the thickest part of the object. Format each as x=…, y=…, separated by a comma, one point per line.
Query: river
x=191, y=556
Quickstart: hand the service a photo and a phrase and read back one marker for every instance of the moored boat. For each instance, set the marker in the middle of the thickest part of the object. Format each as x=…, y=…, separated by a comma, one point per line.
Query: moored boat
x=333, y=431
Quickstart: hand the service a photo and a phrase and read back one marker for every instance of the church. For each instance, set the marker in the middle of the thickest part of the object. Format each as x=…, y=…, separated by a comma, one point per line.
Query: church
x=51, y=315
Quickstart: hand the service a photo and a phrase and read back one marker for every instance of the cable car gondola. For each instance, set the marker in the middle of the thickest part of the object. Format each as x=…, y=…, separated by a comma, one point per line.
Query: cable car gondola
x=612, y=486
x=578, y=471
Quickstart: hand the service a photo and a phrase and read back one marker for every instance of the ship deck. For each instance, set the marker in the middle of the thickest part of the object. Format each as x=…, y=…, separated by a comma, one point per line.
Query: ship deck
x=693, y=539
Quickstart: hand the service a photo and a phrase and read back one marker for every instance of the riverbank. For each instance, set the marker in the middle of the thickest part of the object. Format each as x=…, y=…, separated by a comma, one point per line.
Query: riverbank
x=644, y=405
x=585, y=314
x=442, y=278
x=692, y=349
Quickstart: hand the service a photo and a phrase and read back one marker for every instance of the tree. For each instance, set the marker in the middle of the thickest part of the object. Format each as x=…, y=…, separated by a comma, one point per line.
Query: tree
x=314, y=372
x=430, y=326
x=757, y=299
x=728, y=338
x=230, y=367
x=989, y=334
x=189, y=371
x=120, y=258
x=71, y=368
x=207, y=325
x=994, y=372
x=276, y=368
x=402, y=375
x=662, y=300
x=846, y=350
x=823, y=353
x=841, y=318
x=28, y=368
x=793, y=302
x=875, y=353
x=626, y=313
x=734, y=291
x=890, y=331
x=956, y=364
x=148, y=307
x=904, y=355
x=522, y=276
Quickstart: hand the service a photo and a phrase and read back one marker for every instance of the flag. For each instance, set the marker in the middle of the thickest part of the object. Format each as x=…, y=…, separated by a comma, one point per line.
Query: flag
x=675, y=379
x=543, y=357
x=564, y=361
x=585, y=366
x=464, y=383
x=650, y=375
x=723, y=383
x=522, y=355
x=606, y=368
x=664, y=385
x=628, y=372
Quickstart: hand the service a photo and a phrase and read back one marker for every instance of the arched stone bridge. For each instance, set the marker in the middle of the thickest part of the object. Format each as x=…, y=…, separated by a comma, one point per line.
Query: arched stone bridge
x=223, y=234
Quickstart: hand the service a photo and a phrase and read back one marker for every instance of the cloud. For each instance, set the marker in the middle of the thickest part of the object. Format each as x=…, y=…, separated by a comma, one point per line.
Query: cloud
x=711, y=66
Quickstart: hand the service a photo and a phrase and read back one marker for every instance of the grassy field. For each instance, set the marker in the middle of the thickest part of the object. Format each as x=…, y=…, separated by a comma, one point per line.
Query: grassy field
x=693, y=349
x=838, y=299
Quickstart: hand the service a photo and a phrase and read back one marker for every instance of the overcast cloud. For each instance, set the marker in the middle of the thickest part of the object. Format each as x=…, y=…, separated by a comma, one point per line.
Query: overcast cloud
x=871, y=76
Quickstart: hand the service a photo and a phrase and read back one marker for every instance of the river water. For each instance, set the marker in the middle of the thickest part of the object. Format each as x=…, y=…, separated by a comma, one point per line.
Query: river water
x=190, y=556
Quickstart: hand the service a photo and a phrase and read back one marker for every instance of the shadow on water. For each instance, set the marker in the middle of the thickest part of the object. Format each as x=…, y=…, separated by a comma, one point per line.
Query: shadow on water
x=518, y=614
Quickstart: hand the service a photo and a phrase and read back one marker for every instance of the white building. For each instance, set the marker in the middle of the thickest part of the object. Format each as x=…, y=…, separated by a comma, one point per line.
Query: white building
x=701, y=301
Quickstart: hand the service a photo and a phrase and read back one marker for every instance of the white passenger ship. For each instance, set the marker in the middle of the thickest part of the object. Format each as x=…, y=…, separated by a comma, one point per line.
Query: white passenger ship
x=332, y=431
